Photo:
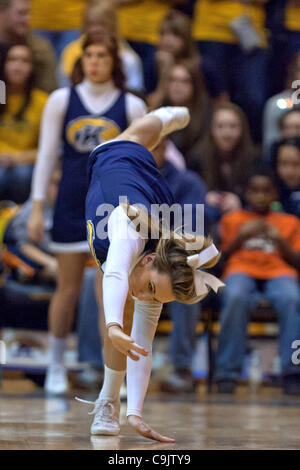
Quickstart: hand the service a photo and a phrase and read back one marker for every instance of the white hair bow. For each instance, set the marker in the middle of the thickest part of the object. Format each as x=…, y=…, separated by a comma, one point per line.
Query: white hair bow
x=203, y=279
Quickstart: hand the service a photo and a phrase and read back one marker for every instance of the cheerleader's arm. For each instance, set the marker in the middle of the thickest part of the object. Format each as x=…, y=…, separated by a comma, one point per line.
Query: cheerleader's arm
x=125, y=247
x=49, y=142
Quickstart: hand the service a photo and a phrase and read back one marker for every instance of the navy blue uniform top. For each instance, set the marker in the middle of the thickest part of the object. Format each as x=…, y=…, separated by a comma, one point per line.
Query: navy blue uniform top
x=122, y=168
x=82, y=132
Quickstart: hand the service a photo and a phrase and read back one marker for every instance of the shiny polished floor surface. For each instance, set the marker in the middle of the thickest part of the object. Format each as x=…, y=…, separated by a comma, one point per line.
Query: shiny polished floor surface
x=265, y=420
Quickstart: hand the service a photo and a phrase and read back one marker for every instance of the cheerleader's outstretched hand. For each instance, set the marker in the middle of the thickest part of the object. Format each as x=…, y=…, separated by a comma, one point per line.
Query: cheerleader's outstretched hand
x=124, y=343
x=145, y=430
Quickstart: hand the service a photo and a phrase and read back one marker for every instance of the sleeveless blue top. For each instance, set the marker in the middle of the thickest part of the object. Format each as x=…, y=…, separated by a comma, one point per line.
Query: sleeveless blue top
x=82, y=132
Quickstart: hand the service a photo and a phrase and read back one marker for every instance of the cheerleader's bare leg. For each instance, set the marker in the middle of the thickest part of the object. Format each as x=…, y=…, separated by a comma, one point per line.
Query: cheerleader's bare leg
x=150, y=129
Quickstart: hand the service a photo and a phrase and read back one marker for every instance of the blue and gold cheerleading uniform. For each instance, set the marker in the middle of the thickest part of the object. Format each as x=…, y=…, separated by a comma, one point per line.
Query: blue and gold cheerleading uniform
x=82, y=132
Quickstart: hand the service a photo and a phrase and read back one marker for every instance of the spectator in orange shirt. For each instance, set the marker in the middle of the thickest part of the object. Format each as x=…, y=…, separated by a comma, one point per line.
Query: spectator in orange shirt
x=262, y=253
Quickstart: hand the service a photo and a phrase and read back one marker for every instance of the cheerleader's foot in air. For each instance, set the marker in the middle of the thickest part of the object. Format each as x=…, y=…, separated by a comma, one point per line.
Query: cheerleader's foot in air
x=173, y=118
x=150, y=129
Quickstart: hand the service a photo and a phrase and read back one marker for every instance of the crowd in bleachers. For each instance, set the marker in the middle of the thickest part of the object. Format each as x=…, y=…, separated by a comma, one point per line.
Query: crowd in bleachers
x=236, y=65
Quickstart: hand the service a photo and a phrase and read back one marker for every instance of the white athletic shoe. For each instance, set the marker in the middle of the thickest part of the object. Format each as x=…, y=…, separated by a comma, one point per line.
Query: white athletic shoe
x=56, y=382
x=106, y=420
x=173, y=118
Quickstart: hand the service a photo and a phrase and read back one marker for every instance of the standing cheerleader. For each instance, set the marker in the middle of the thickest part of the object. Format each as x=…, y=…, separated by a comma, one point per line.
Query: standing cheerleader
x=94, y=110
x=140, y=272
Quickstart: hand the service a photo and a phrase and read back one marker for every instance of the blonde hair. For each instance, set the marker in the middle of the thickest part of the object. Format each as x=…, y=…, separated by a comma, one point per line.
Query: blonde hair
x=171, y=258
x=171, y=255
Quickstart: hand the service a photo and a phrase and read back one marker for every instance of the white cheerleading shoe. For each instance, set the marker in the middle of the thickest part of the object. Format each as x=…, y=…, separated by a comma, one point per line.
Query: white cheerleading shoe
x=172, y=117
x=106, y=419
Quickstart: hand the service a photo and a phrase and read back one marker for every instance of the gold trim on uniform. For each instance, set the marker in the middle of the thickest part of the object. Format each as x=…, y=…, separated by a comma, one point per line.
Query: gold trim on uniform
x=91, y=238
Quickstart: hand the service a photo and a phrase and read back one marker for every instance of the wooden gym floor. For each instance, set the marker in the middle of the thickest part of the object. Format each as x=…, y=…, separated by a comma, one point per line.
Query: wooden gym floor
x=266, y=420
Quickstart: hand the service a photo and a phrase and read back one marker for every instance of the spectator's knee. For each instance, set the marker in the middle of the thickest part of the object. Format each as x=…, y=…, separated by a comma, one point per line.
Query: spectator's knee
x=287, y=298
x=235, y=296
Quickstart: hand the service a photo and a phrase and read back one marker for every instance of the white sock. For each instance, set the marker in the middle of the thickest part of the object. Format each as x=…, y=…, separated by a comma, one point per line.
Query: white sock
x=57, y=349
x=113, y=380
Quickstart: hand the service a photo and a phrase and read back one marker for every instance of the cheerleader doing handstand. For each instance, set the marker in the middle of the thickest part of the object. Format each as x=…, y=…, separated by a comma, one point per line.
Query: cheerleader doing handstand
x=140, y=273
